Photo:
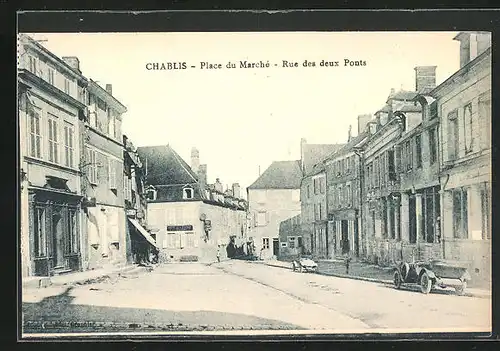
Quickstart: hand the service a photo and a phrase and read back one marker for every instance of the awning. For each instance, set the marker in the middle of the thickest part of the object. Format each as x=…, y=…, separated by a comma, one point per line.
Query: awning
x=143, y=232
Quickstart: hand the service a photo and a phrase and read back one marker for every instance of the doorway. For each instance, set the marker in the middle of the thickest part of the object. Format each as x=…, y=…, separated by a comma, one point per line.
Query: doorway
x=58, y=238
x=344, y=224
x=276, y=247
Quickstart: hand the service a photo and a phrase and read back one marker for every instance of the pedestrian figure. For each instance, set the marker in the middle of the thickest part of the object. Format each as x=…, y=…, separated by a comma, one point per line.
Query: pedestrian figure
x=218, y=255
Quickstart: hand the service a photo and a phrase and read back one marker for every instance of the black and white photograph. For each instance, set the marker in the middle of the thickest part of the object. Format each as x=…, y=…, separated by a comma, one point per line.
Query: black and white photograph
x=254, y=183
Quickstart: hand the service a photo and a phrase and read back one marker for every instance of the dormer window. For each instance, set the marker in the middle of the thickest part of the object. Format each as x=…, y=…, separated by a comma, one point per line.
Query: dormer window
x=187, y=193
x=151, y=193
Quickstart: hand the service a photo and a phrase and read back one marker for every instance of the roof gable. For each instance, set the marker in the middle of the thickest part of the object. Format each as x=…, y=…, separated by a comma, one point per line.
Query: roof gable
x=165, y=167
x=280, y=175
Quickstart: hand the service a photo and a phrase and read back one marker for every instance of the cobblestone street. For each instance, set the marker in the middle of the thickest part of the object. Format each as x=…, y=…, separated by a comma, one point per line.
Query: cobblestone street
x=236, y=295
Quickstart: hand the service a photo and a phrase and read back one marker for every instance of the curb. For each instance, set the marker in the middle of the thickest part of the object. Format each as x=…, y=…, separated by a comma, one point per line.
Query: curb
x=372, y=280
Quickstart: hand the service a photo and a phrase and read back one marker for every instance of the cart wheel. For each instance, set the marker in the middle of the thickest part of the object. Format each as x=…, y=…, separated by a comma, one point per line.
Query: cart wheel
x=425, y=283
x=460, y=290
x=397, y=280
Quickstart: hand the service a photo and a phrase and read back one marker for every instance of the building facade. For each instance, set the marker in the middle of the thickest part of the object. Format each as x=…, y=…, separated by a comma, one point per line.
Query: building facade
x=51, y=112
x=141, y=243
x=191, y=220
x=102, y=179
x=290, y=236
x=343, y=175
x=273, y=198
x=464, y=112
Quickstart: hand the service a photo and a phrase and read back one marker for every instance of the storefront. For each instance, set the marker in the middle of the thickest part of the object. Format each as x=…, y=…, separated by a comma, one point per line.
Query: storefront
x=54, y=231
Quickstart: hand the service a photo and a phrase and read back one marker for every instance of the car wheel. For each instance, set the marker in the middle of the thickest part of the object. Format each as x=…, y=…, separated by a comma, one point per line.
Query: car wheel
x=425, y=283
x=460, y=290
x=397, y=280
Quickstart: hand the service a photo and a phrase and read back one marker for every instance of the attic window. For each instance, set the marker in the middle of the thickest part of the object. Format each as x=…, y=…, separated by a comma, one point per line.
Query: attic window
x=187, y=193
x=151, y=194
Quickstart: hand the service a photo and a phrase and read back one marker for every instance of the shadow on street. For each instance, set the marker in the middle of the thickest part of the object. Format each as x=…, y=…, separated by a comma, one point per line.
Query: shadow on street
x=58, y=314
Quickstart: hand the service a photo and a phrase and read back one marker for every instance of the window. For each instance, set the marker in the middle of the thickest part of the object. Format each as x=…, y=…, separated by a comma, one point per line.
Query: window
x=341, y=196
x=391, y=168
x=32, y=61
x=460, y=215
x=126, y=187
x=408, y=156
x=376, y=172
x=173, y=241
x=111, y=123
x=72, y=246
x=265, y=243
x=433, y=110
x=348, y=194
x=35, y=135
x=397, y=159
x=190, y=239
x=112, y=174
x=485, y=211
x=291, y=242
x=418, y=150
x=322, y=185
x=432, y=146
x=468, y=128
x=39, y=232
x=67, y=86
x=315, y=183
x=151, y=194
x=53, y=139
x=50, y=75
x=92, y=166
x=261, y=218
x=320, y=211
x=101, y=104
x=384, y=217
x=308, y=191
x=485, y=120
x=453, y=136
x=68, y=145
x=187, y=193
x=299, y=241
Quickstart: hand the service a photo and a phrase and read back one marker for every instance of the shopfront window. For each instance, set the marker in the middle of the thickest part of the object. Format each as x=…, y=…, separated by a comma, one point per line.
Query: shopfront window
x=39, y=227
x=460, y=214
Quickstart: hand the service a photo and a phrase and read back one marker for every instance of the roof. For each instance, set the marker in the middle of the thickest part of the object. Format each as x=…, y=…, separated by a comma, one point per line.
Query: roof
x=386, y=108
x=402, y=95
x=410, y=108
x=164, y=166
x=350, y=144
x=315, y=153
x=280, y=175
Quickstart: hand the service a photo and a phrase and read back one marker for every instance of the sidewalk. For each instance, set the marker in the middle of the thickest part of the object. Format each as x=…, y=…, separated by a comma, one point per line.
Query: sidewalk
x=362, y=271
x=83, y=277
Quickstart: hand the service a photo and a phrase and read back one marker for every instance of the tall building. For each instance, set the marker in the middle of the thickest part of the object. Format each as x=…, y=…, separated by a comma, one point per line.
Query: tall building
x=102, y=178
x=51, y=113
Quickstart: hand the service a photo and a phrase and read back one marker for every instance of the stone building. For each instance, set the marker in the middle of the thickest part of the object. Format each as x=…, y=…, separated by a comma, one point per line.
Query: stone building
x=190, y=219
x=464, y=112
x=343, y=176
x=102, y=179
x=51, y=112
x=290, y=236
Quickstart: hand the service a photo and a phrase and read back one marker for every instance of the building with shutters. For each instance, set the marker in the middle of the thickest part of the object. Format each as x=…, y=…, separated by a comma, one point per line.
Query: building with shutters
x=463, y=103
x=343, y=178
x=51, y=111
x=190, y=219
x=102, y=179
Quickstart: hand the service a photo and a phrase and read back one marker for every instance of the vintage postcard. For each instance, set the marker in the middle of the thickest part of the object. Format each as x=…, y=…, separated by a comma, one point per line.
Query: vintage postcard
x=254, y=183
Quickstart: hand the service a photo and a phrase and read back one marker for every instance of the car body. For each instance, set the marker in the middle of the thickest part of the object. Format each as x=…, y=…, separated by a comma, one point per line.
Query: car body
x=305, y=264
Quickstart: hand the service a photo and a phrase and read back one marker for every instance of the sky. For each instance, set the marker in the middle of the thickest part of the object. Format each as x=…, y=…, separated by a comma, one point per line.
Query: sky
x=242, y=119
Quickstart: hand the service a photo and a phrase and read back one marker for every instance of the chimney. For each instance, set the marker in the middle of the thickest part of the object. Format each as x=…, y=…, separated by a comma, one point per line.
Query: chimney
x=472, y=44
x=73, y=62
x=109, y=89
x=236, y=190
x=392, y=91
x=202, y=176
x=303, y=143
x=363, y=121
x=425, y=78
x=349, y=133
x=218, y=186
x=195, y=160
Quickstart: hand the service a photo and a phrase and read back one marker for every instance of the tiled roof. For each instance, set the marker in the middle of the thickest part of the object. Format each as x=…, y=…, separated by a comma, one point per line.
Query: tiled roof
x=315, y=153
x=386, y=108
x=411, y=108
x=402, y=95
x=348, y=147
x=164, y=166
x=279, y=175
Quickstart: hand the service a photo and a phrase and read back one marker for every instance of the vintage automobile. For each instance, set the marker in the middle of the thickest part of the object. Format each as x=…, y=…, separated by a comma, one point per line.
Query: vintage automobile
x=304, y=264
x=436, y=273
